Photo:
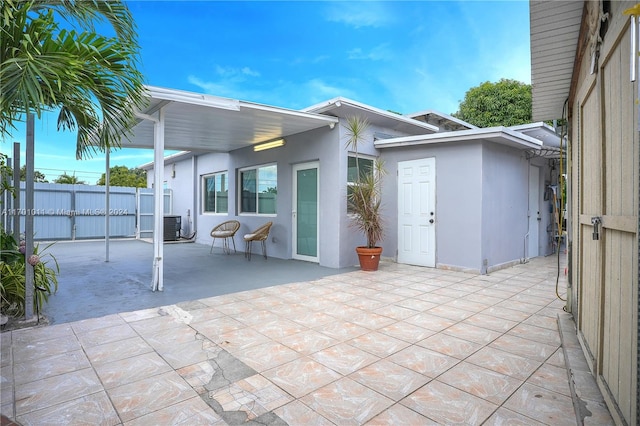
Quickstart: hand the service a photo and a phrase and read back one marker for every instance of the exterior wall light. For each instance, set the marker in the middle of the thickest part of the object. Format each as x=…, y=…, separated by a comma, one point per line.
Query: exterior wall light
x=268, y=145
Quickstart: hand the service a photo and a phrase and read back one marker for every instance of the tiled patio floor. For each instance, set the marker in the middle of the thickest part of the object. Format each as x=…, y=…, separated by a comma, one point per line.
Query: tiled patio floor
x=403, y=346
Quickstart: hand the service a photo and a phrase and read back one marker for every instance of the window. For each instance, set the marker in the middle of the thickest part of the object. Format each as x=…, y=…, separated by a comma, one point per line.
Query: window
x=259, y=190
x=215, y=198
x=366, y=167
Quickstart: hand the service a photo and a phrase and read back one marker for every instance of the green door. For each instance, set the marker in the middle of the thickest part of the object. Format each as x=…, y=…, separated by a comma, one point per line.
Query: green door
x=305, y=214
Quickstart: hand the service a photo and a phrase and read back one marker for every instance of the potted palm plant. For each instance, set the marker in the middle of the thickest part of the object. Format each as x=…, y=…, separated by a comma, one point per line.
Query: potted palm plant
x=364, y=197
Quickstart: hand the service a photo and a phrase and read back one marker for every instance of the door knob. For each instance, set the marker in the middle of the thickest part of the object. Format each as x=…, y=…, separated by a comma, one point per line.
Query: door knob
x=430, y=220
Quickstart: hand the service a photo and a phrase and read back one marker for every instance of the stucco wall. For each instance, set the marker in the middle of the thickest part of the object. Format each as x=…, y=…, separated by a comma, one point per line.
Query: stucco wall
x=458, y=201
x=505, y=181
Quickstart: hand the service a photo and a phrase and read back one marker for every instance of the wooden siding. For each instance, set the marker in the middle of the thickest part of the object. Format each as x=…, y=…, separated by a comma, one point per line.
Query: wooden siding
x=604, y=175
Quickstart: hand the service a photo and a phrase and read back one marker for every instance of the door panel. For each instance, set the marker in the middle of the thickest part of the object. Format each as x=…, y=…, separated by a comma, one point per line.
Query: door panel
x=416, y=212
x=305, y=215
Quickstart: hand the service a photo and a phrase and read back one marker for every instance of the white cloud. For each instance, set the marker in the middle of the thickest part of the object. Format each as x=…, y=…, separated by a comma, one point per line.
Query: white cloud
x=378, y=53
x=360, y=14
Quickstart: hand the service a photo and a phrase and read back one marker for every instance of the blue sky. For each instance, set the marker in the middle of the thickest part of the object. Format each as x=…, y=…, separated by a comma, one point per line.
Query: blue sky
x=401, y=56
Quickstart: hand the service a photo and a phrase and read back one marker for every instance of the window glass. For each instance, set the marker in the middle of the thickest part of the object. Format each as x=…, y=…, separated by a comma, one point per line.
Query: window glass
x=366, y=168
x=259, y=190
x=215, y=193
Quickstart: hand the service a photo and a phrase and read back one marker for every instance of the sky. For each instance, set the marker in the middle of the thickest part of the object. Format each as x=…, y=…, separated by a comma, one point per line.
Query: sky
x=403, y=56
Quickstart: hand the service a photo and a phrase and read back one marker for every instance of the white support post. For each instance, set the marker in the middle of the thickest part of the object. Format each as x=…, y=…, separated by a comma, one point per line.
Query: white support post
x=107, y=232
x=158, y=193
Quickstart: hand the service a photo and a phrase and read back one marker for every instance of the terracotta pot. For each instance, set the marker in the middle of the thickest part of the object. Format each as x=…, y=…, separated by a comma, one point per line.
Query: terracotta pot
x=369, y=257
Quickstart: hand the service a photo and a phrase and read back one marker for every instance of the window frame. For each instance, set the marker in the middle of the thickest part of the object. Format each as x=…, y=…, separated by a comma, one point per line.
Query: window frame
x=203, y=198
x=350, y=183
x=257, y=212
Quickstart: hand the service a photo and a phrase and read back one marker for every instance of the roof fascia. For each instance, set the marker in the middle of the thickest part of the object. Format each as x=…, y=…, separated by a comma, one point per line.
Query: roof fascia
x=441, y=115
x=501, y=133
x=337, y=102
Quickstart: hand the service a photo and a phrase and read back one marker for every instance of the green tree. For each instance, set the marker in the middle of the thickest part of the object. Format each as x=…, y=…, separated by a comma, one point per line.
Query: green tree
x=505, y=103
x=92, y=79
x=69, y=179
x=124, y=176
x=38, y=176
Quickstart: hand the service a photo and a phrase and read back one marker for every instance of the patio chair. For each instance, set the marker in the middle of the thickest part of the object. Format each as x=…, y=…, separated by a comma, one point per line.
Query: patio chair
x=261, y=234
x=225, y=230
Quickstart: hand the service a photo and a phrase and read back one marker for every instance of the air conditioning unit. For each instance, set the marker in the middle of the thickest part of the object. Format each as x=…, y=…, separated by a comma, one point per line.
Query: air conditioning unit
x=172, y=225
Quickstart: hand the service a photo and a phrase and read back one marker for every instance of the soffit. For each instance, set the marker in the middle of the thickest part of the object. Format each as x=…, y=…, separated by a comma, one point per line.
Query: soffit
x=196, y=122
x=554, y=29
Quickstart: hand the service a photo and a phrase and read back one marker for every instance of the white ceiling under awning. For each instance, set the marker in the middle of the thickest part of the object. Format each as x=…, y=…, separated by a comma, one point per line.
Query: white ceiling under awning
x=555, y=28
x=198, y=122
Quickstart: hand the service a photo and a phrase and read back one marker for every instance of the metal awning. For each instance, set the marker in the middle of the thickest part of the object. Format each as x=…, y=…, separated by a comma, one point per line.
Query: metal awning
x=186, y=121
x=198, y=122
x=555, y=28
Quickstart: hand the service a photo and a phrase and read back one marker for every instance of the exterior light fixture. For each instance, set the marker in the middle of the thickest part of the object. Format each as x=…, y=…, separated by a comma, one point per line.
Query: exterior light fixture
x=268, y=145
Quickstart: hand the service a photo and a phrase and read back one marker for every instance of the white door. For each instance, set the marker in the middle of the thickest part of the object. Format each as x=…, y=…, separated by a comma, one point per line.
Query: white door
x=306, y=185
x=417, y=212
x=534, y=212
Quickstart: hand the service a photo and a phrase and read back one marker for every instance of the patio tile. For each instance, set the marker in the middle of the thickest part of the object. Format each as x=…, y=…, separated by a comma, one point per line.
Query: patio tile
x=424, y=361
x=408, y=332
x=542, y=405
x=366, y=303
x=186, y=353
x=146, y=396
x=106, y=335
x=478, y=381
x=43, y=367
x=344, y=358
x=140, y=315
x=396, y=312
x=214, y=328
x=40, y=334
x=502, y=416
x=472, y=333
x=278, y=328
x=301, y=376
x=153, y=325
x=296, y=413
x=490, y=322
x=308, y=342
x=538, y=334
x=91, y=324
x=504, y=362
x=389, y=379
x=242, y=338
x=192, y=411
x=371, y=320
x=342, y=330
x=415, y=305
x=524, y=347
x=119, y=349
x=36, y=349
x=267, y=355
x=447, y=405
x=551, y=378
x=254, y=396
x=311, y=319
x=378, y=344
x=93, y=409
x=430, y=321
x=258, y=316
x=123, y=371
x=346, y=402
x=399, y=415
x=204, y=314
x=449, y=345
x=506, y=313
x=54, y=390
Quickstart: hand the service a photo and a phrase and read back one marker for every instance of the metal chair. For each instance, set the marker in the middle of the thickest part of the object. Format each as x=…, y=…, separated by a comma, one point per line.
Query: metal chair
x=261, y=234
x=225, y=230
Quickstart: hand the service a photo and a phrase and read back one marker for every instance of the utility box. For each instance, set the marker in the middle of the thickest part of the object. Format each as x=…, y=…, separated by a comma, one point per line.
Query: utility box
x=172, y=225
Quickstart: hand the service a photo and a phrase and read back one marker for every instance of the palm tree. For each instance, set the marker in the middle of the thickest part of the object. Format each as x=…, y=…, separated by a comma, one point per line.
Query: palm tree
x=92, y=79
